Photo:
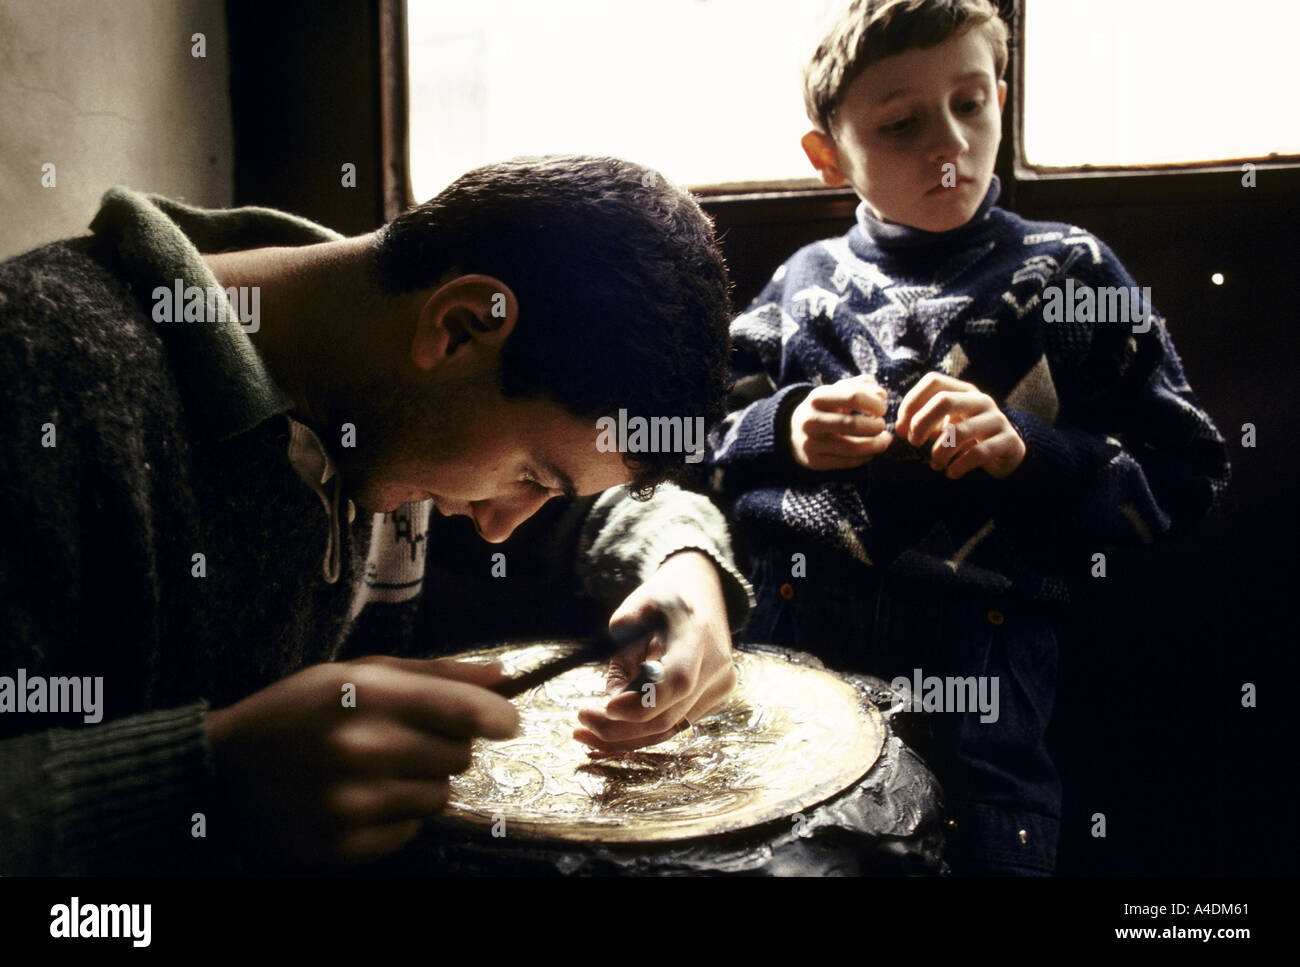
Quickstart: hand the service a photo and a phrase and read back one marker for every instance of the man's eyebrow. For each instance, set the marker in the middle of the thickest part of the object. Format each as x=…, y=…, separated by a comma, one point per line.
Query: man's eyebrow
x=557, y=476
x=960, y=78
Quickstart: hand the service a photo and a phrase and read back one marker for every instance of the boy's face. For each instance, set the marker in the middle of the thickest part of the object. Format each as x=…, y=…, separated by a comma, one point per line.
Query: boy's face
x=903, y=119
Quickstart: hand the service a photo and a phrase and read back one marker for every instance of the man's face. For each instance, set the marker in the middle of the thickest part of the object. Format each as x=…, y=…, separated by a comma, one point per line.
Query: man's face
x=494, y=460
x=907, y=116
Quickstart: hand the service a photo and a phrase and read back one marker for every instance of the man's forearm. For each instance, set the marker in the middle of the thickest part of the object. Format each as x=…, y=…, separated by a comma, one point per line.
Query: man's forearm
x=624, y=542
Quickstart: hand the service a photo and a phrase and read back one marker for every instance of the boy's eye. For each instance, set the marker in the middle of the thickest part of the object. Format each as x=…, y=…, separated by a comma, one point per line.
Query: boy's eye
x=970, y=107
x=898, y=127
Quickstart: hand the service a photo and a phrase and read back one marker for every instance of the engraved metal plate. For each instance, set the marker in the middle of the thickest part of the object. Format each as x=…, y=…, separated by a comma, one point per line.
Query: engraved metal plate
x=791, y=737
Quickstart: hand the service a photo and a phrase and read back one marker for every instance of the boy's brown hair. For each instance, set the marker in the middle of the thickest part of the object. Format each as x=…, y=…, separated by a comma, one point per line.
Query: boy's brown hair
x=872, y=30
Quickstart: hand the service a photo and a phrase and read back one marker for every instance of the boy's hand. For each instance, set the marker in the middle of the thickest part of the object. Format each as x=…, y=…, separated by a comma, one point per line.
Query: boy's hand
x=314, y=780
x=981, y=436
x=840, y=426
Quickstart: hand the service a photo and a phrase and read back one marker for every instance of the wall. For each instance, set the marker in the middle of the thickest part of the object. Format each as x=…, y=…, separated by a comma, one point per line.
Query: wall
x=109, y=93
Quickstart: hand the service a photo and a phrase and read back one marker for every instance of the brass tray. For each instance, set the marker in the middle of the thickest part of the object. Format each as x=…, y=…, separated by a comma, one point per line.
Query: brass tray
x=792, y=736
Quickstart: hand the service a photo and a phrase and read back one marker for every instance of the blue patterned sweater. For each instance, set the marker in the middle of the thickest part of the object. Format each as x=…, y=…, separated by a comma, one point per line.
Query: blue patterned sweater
x=1117, y=447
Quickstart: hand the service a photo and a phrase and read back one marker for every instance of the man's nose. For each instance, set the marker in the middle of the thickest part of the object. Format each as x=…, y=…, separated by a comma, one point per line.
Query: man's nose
x=948, y=140
x=497, y=520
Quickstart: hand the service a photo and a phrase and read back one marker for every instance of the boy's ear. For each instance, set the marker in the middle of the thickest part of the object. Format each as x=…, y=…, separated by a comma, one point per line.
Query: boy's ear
x=466, y=320
x=1002, y=95
x=821, y=153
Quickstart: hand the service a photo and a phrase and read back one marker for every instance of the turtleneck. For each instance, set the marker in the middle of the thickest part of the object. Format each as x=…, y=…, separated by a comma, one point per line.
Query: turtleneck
x=891, y=236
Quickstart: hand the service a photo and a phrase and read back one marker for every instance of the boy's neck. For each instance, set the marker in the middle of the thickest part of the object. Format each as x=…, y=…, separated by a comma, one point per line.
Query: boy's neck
x=892, y=235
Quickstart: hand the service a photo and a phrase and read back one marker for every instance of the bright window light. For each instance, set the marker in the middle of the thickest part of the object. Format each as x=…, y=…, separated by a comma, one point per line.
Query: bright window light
x=706, y=91
x=1142, y=82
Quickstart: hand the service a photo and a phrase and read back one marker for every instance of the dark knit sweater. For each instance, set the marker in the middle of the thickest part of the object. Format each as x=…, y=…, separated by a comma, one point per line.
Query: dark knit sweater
x=171, y=440
x=1117, y=447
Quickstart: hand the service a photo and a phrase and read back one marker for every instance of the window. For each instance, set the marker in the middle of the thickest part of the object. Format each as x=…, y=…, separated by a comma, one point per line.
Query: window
x=707, y=91
x=1115, y=83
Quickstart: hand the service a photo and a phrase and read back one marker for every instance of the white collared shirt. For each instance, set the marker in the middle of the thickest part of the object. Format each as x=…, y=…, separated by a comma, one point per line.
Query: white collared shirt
x=395, y=565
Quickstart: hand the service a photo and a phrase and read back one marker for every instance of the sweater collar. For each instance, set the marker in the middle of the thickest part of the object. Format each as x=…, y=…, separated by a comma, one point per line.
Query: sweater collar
x=890, y=236
x=226, y=385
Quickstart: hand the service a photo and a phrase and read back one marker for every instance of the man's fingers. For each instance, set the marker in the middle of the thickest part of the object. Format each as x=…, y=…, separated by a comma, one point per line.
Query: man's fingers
x=450, y=708
x=379, y=802
x=485, y=674
x=635, y=724
x=372, y=842
x=612, y=736
x=382, y=747
x=681, y=677
x=626, y=665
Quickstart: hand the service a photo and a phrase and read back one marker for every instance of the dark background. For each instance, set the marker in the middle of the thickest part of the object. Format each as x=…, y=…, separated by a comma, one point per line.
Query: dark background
x=1149, y=728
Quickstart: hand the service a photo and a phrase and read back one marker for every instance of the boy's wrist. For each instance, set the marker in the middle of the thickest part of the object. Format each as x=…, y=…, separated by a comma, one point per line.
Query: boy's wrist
x=783, y=422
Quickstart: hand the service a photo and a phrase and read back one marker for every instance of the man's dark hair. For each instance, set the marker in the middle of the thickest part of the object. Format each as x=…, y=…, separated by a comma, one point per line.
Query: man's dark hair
x=622, y=291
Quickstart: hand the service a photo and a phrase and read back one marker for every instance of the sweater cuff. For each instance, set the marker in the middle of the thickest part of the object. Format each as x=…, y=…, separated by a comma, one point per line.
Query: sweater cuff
x=765, y=428
x=123, y=796
x=736, y=591
x=1049, y=455
x=625, y=541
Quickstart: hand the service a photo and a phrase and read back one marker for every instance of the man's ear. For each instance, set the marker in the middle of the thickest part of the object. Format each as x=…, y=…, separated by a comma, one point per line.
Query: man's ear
x=467, y=319
x=1002, y=95
x=821, y=152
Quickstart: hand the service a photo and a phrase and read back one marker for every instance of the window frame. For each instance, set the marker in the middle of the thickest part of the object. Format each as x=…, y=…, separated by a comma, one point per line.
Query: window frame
x=1033, y=187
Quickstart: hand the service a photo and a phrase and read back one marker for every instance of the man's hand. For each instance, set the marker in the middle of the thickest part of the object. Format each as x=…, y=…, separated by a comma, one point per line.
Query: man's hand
x=840, y=426
x=313, y=780
x=981, y=435
x=694, y=645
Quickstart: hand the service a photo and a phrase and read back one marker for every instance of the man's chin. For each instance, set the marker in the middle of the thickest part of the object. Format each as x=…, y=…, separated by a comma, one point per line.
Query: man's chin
x=376, y=502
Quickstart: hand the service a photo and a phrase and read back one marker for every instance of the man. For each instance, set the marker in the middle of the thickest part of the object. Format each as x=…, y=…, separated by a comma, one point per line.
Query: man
x=225, y=431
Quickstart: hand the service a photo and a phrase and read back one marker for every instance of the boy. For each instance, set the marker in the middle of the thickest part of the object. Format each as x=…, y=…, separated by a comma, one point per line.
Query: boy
x=923, y=440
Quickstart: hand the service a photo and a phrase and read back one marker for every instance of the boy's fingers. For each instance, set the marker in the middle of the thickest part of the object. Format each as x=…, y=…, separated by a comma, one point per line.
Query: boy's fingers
x=852, y=446
x=982, y=426
x=999, y=456
x=976, y=456
x=822, y=460
x=844, y=424
x=847, y=395
x=921, y=393
x=949, y=405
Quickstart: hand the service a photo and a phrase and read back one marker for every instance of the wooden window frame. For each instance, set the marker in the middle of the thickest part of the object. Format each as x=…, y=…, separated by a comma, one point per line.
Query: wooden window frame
x=1024, y=186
